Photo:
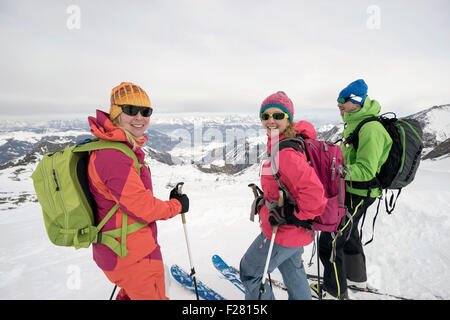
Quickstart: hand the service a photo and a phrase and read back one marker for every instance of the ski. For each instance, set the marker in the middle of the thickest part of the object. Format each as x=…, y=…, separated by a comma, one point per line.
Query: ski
x=375, y=291
x=275, y=283
x=229, y=273
x=184, y=279
x=313, y=277
x=358, y=289
x=233, y=273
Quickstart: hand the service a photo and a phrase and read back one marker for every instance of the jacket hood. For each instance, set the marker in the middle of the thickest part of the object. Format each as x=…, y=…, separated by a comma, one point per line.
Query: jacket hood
x=303, y=128
x=103, y=128
x=306, y=129
x=370, y=108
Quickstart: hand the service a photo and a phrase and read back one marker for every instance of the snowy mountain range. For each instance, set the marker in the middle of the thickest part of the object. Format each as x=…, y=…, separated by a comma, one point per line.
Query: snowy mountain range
x=215, y=143
x=223, y=142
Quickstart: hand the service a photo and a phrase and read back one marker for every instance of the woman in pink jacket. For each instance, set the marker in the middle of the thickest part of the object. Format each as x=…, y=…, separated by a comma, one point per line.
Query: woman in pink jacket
x=277, y=113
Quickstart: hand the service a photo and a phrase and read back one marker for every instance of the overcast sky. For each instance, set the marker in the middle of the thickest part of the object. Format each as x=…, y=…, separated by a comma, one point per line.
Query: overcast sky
x=211, y=55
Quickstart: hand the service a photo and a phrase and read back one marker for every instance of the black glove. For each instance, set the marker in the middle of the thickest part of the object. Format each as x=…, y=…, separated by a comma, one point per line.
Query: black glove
x=182, y=198
x=277, y=216
x=291, y=219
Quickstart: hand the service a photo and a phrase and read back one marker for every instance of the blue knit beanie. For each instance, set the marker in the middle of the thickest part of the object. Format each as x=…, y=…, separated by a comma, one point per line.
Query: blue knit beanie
x=356, y=91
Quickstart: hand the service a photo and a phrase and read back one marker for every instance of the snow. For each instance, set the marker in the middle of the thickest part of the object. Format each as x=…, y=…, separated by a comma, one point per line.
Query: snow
x=408, y=257
x=33, y=137
x=439, y=117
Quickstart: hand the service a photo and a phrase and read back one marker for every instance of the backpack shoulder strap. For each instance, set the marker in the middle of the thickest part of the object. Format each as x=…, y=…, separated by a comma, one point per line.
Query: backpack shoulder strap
x=96, y=144
x=293, y=143
x=353, y=138
x=298, y=144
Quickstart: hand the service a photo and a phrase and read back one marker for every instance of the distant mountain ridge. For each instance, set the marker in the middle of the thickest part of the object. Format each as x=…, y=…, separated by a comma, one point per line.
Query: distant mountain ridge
x=435, y=122
x=24, y=142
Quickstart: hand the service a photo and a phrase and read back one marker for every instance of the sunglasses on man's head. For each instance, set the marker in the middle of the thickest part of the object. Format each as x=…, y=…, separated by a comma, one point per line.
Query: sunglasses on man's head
x=343, y=100
x=276, y=116
x=133, y=110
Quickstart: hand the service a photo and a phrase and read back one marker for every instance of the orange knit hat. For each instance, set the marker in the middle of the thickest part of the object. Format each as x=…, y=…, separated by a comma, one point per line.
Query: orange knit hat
x=127, y=93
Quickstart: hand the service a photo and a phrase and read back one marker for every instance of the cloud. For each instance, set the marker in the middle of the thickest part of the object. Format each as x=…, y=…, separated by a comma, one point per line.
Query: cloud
x=221, y=55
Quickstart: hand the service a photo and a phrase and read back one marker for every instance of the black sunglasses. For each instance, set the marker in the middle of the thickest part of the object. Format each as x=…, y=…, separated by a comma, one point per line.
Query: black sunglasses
x=133, y=110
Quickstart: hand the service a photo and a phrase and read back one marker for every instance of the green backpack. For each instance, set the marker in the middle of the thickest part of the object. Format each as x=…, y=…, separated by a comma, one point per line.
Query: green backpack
x=69, y=209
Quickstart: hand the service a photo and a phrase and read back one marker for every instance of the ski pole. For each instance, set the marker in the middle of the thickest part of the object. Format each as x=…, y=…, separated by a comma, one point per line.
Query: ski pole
x=319, y=287
x=266, y=267
x=272, y=241
x=183, y=219
x=112, y=294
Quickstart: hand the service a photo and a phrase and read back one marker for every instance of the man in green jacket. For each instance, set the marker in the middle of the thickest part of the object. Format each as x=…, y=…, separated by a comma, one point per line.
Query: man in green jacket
x=373, y=150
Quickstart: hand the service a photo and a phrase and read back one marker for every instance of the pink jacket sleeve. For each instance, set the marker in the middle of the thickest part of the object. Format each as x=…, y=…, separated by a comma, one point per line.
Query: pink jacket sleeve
x=116, y=176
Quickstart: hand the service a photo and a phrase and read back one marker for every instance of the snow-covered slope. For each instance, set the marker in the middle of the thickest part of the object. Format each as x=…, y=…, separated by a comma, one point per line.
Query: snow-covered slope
x=408, y=256
x=436, y=123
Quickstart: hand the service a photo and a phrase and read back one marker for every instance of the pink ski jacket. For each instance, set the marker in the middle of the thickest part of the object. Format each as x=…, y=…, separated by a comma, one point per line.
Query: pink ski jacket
x=302, y=182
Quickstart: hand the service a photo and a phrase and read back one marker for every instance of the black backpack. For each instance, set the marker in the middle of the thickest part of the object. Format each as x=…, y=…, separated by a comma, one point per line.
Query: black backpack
x=403, y=161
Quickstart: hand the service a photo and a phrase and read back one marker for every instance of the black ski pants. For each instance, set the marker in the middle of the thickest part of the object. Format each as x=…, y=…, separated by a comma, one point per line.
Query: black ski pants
x=350, y=262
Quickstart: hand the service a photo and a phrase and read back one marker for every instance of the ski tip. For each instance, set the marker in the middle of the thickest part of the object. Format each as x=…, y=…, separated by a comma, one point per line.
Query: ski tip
x=216, y=257
x=174, y=267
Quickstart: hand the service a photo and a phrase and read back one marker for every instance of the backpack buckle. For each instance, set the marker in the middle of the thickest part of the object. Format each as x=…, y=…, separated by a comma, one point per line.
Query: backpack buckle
x=346, y=143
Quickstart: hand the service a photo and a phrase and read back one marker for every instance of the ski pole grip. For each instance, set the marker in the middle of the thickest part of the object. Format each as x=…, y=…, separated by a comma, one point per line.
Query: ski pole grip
x=255, y=191
x=179, y=187
x=281, y=198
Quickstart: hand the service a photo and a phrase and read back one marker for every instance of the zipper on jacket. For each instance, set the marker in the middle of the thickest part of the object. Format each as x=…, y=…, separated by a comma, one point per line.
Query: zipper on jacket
x=333, y=168
x=54, y=178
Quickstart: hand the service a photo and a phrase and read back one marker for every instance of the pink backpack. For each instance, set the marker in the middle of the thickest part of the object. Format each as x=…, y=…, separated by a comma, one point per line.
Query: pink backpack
x=327, y=160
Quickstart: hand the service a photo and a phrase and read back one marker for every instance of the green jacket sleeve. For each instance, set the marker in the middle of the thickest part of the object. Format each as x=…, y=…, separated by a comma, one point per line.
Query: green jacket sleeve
x=373, y=149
